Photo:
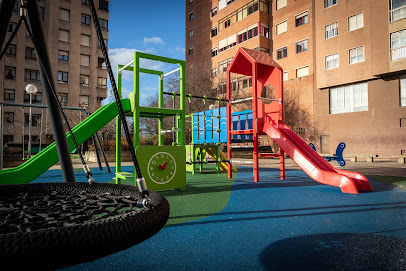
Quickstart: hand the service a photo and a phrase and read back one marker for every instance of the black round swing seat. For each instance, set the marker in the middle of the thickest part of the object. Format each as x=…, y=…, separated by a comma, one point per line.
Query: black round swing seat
x=54, y=225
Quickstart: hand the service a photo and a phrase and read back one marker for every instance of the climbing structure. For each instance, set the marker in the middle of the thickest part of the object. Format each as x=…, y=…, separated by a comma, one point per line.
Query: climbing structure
x=267, y=115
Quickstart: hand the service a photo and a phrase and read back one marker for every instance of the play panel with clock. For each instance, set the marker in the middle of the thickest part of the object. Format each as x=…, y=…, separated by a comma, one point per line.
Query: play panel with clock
x=164, y=167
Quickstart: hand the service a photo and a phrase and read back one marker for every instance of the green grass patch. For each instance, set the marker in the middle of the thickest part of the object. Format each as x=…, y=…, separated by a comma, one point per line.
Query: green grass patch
x=393, y=180
x=206, y=194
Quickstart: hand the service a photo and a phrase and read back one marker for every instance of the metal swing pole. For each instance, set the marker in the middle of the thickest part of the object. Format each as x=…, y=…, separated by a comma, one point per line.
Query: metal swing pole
x=44, y=63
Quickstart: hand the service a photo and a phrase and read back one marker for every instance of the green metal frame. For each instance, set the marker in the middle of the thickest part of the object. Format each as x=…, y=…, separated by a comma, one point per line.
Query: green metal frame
x=148, y=112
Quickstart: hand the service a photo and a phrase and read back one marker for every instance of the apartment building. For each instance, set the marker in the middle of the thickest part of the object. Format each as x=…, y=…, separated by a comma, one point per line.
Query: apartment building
x=361, y=75
x=215, y=30
x=77, y=62
x=345, y=59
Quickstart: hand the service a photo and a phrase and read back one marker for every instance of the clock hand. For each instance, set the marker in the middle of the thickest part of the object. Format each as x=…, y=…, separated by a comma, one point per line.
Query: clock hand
x=162, y=167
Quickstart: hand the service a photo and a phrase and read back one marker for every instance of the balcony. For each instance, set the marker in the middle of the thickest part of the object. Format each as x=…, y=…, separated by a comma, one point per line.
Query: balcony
x=397, y=14
x=398, y=53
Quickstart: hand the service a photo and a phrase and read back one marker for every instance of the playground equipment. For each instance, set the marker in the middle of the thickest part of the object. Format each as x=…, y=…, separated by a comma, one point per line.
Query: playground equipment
x=338, y=156
x=164, y=165
x=267, y=115
x=209, y=131
x=51, y=226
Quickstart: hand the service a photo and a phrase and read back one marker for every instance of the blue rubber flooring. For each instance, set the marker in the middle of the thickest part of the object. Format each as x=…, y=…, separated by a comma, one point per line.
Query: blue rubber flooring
x=296, y=224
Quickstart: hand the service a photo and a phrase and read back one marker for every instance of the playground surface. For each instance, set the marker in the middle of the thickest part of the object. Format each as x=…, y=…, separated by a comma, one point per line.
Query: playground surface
x=296, y=224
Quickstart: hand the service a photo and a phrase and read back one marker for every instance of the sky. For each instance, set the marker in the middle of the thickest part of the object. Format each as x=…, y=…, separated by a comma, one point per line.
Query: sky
x=155, y=27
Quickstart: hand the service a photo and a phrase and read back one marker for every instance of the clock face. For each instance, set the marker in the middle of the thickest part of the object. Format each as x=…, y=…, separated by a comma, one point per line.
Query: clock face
x=161, y=167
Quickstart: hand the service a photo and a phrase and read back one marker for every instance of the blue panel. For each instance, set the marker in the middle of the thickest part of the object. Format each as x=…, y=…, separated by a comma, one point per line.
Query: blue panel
x=216, y=125
x=195, y=127
x=201, y=128
x=223, y=125
x=243, y=124
x=235, y=125
x=208, y=126
x=250, y=123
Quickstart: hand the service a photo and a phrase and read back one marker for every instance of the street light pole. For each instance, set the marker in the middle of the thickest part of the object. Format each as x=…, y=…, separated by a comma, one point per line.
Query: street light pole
x=30, y=89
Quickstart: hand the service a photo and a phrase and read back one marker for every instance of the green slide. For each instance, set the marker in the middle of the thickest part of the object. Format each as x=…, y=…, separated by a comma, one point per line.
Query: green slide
x=41, y=162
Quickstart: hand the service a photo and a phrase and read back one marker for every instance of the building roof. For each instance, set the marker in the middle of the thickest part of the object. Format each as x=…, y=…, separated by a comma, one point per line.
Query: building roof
x=245, y=58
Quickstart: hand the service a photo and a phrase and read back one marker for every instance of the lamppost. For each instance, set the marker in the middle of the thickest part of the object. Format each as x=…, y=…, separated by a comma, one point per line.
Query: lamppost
x=30, y=89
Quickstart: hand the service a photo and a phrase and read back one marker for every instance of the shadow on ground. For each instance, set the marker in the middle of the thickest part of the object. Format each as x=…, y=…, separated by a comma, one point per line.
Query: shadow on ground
x=336, y=251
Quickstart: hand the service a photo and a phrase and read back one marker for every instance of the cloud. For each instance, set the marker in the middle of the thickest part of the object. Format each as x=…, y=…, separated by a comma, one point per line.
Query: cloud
x=124, y=56
x=151, y=88
x=154, y=40
x=177, y=50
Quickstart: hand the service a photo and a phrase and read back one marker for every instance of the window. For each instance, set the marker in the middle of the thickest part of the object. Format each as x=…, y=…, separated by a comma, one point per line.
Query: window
x=350, y=98
x=99, y=101
x=226, y=43
x=285, y=76
x=106, y=42
x=265, y=31
x=63, y=77
x=100, y=63
x=191, y=33
x=83, y=101
x=63, y=99
x=191, y=16
x=282, y=52
x=332, y=62
x=30, y=53
x=302, y=71
x=223, y=65
x=213, y=52
x=84, y=80
x=104, y=24
x=398, y=45
x=104, y=5
x=280, y=4
x=213, y=11
x=214, y=32
x=282, y=27
x=85, y=2
x=101, y=82
x=63, y=35
x=36, y=98
x=15, y=8
x=32, y=76
x=9, y=117
x=222, y=88
x=402, y=82
x=8, y=139
x=329, y=3
x=191, y=50
x=248, y=33
x=11, y=50
x=10, y=73
x=85, y=60
x=214, y=72
x=301, y=46
x=302, y=19
x=64, y=14
x=331, y=30
x=357, y=55
x=85, y=40
x=9, y=95
x=35, y=120
x=397, y=10
x=356, y=21
x=85, y=19
x=63, y=56
x=261, y=49
x=11, y=27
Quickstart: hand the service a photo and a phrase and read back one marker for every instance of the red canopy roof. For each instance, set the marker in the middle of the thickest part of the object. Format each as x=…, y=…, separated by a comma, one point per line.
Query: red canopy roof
x=245, y=58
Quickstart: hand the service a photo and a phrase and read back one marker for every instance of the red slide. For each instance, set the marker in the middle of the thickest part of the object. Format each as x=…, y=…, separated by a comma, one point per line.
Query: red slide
x=313, y=164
